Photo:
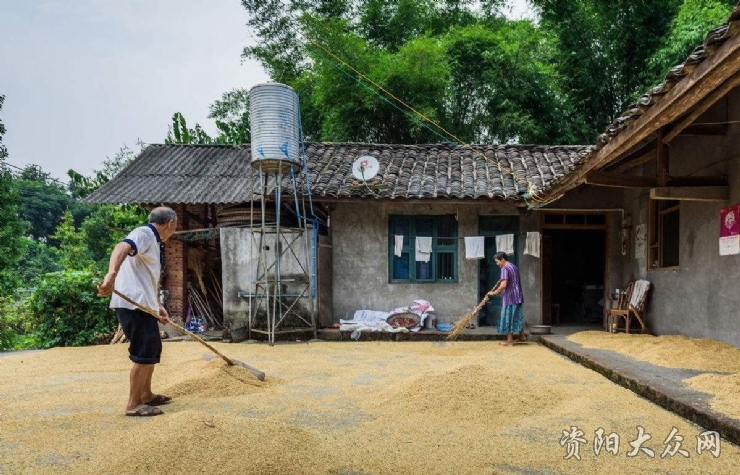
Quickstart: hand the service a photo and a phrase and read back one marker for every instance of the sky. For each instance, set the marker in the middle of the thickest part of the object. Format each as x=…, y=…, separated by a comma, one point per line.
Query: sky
x=83, y=78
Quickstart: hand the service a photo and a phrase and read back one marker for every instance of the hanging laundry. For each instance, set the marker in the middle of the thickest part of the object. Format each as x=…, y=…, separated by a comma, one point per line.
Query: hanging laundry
x=398, y=247
x=505, y=243
x=423, y=249
x=532, y=247
x=475, y=247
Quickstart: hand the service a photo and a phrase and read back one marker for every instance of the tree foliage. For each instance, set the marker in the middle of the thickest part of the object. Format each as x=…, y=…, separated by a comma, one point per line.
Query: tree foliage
x=231, y=113
x=687, y=31
x=603, y=48
x=43, y=202
x=73, y=250
x=67, y=311
x=38, y=260
x=12, y=228
x=462, y=64
x=407, y=71
x=81, y=186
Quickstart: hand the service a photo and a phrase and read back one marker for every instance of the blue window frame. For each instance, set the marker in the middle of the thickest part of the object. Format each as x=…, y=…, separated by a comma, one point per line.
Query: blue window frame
x=442, y=264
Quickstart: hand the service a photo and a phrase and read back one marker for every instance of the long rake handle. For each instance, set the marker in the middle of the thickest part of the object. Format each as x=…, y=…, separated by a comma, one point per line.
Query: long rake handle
x=179, y=328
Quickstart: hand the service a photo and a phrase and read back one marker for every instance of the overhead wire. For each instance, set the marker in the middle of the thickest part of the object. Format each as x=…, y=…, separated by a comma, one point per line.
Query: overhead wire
x=66, y=185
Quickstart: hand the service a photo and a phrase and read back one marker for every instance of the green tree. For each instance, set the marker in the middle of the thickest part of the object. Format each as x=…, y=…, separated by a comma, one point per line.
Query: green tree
x=43, y=202
x=603, y=50
x=687, y=31
x=359, y=67
x=67, y=311
x=180, y=133
x=12, y=228
x=81, y=186
x=73, y=252
x=106, y=225
x=231, y=115
x=39, y=259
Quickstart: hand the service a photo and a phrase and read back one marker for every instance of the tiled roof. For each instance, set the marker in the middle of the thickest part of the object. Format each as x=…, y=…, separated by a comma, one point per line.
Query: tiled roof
x=222, y=174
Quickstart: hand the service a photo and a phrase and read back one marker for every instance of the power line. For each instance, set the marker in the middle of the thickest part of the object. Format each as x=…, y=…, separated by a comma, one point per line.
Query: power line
x=66, y=185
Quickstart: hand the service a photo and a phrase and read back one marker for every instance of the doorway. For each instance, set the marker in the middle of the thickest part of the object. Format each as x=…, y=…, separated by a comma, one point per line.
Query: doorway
x=488, y=271
x=574, y=275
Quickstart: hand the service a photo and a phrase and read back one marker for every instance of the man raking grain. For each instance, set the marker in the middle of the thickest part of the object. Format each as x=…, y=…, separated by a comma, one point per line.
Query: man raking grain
x=134, y=269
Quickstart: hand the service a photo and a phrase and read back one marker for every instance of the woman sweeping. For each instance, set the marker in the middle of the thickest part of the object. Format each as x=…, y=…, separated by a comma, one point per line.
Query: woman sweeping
x=512, y=319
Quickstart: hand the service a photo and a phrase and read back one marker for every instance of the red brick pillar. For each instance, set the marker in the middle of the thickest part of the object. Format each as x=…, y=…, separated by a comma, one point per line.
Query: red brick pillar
x=176, y=272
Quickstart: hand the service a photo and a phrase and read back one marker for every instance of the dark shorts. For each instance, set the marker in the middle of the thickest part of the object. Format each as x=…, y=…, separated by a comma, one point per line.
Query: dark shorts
x=142, y=331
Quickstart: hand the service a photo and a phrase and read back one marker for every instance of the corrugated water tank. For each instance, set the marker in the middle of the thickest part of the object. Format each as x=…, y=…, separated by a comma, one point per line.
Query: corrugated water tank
x=275, y=128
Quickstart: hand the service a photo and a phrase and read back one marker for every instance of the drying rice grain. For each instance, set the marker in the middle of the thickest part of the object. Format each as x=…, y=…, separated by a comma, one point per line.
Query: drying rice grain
x=671, y=351
x=330, y=408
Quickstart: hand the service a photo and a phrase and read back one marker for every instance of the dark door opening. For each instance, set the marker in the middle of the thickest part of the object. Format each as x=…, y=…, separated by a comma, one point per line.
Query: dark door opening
x=573, y=277
x=489, y=272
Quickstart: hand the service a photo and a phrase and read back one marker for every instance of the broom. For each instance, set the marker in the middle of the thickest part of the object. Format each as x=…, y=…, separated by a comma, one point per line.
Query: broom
x=463, y=323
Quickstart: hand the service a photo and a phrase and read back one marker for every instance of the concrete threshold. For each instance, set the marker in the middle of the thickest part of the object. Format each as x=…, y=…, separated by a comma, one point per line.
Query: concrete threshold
x=662, y=386
x=422, y=335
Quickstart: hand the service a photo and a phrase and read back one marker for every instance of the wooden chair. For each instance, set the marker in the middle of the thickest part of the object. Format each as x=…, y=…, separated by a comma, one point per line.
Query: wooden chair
x=631, y=304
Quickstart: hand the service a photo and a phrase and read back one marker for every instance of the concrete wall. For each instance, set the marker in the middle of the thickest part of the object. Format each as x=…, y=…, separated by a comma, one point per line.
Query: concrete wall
x=699, y=299
x=239, y=257
x=360, y=254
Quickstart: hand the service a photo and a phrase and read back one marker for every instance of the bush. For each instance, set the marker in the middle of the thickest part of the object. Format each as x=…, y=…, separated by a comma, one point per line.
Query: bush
x=16, y=329
x=7, y=335
x=67, y=311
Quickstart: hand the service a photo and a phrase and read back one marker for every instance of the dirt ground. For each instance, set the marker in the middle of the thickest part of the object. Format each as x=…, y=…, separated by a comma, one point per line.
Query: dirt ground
x=350, y=408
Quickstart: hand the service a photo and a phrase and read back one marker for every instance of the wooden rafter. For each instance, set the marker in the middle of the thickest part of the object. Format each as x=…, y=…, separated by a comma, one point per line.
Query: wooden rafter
x=703, y=106
x=697, y=181
x=661, y=160
x=620, y=181
x=647, y=157
x=691, y=193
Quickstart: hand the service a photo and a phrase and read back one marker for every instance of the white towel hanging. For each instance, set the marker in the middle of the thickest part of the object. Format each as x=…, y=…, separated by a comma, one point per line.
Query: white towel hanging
x=423, y=249
x=532, y=247
x=505, y=243
x=475, y=247
x=398, y=246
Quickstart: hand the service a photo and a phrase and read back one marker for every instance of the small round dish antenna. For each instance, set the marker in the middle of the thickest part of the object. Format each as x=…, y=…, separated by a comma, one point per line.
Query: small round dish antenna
x=365, y=167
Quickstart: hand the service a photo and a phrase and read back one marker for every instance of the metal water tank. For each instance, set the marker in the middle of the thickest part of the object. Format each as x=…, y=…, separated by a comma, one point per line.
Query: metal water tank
x=275, y=128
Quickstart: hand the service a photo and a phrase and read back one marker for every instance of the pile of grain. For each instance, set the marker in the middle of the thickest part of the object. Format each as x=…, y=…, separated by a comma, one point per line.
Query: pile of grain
x=677, y=351
x=670, y=351
x=725, y=391
x=329, y=408
x=218, y=379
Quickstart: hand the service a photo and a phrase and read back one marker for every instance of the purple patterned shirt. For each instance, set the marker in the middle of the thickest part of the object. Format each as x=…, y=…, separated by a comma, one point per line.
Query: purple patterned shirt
x=512, y=294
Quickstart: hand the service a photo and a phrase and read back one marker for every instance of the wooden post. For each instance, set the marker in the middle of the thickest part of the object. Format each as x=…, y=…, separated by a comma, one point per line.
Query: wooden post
x=661, y=162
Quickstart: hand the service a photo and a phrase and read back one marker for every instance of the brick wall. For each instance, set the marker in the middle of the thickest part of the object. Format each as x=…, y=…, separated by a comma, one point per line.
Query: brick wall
x=176, y=259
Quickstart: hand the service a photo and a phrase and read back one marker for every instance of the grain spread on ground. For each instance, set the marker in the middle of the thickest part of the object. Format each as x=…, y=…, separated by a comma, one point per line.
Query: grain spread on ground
x=333, y=408
x=720, y=361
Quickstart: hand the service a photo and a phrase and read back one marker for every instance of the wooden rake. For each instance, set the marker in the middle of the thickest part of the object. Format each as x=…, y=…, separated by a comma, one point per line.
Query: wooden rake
x=257, y=373
x=463, y=323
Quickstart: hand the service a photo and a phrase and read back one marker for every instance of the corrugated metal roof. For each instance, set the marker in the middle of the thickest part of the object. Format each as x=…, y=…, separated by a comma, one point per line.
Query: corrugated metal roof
x=196, y=174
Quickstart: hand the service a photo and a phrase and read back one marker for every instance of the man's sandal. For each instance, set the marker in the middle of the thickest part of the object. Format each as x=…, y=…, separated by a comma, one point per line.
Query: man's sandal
x=159, y=400
x=145, y=411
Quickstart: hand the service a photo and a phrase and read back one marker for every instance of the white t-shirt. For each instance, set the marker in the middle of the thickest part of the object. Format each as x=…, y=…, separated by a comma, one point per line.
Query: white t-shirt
x=138, y=277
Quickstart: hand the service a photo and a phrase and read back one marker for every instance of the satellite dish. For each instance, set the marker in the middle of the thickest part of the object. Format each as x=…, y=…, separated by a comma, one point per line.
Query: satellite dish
x=365, y=168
